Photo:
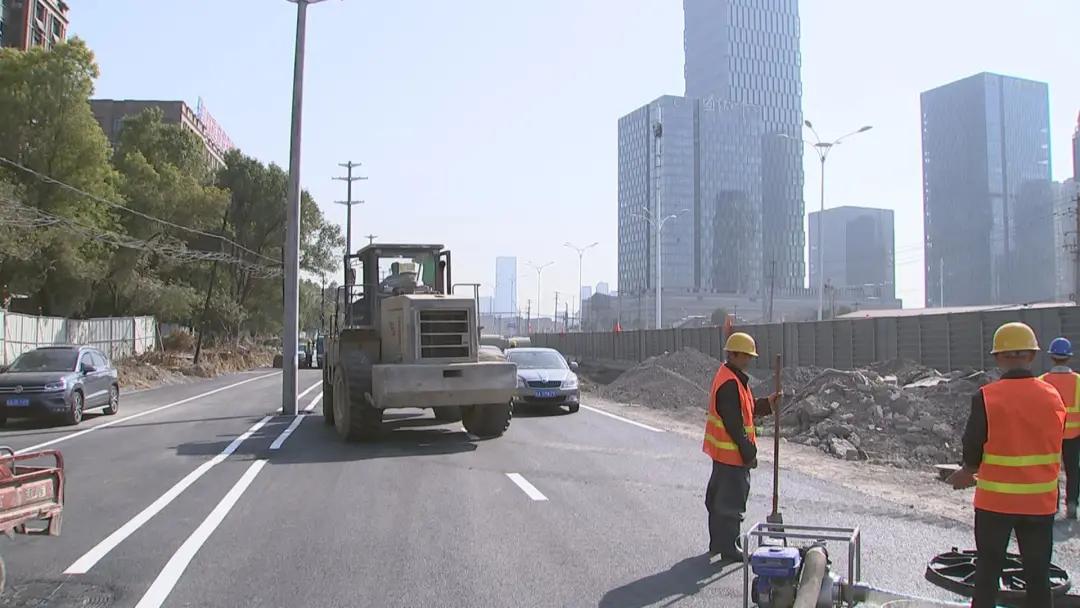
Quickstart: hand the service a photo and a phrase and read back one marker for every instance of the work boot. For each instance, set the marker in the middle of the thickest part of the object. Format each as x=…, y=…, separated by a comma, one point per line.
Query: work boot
x=1070, y=510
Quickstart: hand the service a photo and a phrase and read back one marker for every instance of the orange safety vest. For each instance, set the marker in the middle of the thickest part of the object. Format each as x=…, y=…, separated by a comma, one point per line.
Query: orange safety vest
x=1025, y=420
x=1068, y=386
x=718, y=443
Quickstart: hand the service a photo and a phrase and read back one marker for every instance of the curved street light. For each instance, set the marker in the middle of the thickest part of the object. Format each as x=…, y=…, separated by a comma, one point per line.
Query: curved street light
x=658, y=226
x=822, y=149
x=581, y=254
x=539, y=268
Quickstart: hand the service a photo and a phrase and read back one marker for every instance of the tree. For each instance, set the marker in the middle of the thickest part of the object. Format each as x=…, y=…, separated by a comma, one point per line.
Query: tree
x=46, y=125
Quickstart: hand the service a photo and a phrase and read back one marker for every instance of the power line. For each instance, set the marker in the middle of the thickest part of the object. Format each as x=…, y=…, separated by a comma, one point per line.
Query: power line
x=52, y=180
x=15, y=213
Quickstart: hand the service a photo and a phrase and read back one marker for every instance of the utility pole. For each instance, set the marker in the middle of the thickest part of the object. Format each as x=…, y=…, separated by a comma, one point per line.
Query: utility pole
x=941, y=281
x=772, y=287
x=1076, y=251
x=539, y=270
x=555, y=317
x=528, y=316
x=580, y=255
x=349, y=179
x=291, y=326
x=658, y=135
x=371, y=238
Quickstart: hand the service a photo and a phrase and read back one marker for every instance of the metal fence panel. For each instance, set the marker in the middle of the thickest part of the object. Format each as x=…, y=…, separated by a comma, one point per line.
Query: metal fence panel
x=117, y=337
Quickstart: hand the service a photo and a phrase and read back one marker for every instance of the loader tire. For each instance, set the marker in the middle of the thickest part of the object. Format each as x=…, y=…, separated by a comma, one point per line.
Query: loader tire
x=327, y=398
x=447, y=414
x=354, y=417
x=487, y=420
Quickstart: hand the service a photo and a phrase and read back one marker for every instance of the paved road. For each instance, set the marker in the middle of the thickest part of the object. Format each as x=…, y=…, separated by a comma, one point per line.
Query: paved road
x=182, y=500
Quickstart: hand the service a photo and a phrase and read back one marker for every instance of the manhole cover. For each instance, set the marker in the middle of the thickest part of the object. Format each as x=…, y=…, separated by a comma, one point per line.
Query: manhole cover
x=56, y=594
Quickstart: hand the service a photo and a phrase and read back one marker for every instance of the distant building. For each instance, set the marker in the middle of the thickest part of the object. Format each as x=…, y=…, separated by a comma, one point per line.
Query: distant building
x=586, y=293
x=26, y=24
x=1065, y=204
x=485, y=304
x=110, y=114
x=1076, y=151
x=505, y=286
x=746, y=52
x=702, y=159
x=859, y=248
x=602, y=288
x=986, y=192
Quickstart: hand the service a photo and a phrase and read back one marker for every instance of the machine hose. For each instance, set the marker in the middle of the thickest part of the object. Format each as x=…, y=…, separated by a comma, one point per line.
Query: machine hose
x=815, y=566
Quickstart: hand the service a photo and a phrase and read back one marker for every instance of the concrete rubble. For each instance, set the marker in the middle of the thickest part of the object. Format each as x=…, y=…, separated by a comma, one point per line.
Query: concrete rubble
x=898, y=412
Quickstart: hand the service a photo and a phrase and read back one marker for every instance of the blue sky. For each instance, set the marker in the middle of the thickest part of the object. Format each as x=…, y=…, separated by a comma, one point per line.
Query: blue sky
x=490, y=126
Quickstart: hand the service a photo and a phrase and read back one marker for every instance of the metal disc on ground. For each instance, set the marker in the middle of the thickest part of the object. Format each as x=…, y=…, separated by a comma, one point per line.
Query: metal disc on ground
x=955, y=571
x=56, y=594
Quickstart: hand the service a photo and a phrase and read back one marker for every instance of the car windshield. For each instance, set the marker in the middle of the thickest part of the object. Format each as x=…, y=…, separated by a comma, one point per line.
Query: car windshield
x=537, y=359
x=50, y=360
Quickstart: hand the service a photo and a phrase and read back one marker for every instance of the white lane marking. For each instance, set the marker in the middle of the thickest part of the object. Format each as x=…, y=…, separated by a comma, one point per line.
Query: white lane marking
x=93, y=556
x=301, y=395
x=166, y=580
x=311, y=406
x=526, y=487
x=141, y=414
x=163, y=585
x=626, y=420
x=295, y=423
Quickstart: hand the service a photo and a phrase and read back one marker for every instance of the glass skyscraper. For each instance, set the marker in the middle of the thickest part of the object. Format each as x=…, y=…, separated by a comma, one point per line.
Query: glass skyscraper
x=505, y=302
x=747, y=52
x=987, y=199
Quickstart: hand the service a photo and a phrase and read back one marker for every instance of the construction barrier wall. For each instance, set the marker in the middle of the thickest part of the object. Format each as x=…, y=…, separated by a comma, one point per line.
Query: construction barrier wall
x=116, y=337
x=942, y=341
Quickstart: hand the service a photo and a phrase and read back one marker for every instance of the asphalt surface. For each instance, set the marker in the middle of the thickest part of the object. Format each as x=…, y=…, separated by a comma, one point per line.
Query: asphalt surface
x=180, y=501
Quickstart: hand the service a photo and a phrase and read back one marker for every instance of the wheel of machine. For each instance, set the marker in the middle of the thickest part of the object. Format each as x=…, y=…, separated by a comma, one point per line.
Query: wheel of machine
x=955, y=571
x=327, y=398
x=447, y=414
x=487, y=420
x=354, y=418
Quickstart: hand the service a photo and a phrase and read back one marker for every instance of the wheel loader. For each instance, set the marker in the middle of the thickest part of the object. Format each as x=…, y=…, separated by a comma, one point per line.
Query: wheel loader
x=401, y=339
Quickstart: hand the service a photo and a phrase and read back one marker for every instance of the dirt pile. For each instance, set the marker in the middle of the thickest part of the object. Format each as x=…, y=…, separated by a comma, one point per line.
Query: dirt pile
x=157, y=367
x=895, y=412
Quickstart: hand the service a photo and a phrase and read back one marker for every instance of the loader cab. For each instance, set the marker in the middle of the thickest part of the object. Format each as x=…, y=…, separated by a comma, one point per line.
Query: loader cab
x=379, y=271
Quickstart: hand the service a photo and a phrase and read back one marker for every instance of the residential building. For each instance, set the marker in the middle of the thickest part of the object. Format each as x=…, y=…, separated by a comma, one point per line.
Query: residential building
x=987, y=200
x=110, y=114
x=746, y=52
x=506, y=277
x=700, y=161
x=603, y=288
x=859, y=248
x=26, y=24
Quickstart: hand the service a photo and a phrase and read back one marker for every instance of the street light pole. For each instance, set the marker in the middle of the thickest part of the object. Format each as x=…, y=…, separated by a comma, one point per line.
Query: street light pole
x=539, y=269
x=580, y=255
x=822, y=149
x=658, y=226
x=291, y=325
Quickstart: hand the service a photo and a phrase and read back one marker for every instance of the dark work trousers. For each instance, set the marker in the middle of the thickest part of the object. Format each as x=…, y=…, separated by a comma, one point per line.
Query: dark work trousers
x=1034, y=535
x=725, y=499
x=1070, y=457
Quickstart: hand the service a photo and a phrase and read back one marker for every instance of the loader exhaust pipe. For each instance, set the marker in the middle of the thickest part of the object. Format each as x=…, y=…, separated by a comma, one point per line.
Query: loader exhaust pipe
x=815, y=566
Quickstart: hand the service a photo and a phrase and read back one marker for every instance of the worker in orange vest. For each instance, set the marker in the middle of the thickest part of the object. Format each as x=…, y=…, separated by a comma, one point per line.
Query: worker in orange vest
x=1067, y=383
x=1013, y=443
x=731, y=442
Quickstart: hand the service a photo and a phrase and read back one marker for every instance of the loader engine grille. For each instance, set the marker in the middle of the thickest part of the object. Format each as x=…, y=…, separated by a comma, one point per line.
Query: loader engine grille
x=444, y=334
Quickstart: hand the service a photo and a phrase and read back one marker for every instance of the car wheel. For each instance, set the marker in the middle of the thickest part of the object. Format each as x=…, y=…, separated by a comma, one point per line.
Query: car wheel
x=114, y=401
x=75, y=408
x=3, y=419
x=574, y=407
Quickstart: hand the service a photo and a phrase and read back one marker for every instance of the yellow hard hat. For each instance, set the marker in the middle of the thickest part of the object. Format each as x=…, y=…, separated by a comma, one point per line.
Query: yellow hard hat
x=739, y=342
x=1014, y=337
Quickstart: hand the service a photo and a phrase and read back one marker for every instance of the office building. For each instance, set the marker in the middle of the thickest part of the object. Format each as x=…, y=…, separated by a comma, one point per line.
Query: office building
x=110, y=114
x=505, y=286
x=1065, y=195
x=987, y=201
x=746, y=52
x=603, y=288
x=586, y=292
x=27, y=24
x=698, y=160
x=859, y=248
x=1076, y=151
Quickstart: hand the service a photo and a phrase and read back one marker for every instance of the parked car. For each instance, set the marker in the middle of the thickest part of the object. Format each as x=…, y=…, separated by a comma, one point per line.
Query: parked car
x=545, y=378
x=59, y=381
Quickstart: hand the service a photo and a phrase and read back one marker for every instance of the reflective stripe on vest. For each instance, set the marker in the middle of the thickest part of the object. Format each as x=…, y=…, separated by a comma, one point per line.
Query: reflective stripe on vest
x=1021, y=459
x=718, y=443
x=1068, y=386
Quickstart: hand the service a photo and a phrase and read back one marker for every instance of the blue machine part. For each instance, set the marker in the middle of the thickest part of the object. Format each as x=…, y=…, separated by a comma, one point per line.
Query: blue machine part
x=776, y=562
